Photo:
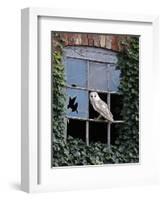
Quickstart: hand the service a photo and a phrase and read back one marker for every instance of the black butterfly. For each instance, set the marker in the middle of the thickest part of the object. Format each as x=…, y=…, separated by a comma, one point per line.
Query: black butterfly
x=72, y=104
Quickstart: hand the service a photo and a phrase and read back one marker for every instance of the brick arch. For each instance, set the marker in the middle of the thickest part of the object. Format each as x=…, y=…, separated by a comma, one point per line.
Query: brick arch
x=111, y=42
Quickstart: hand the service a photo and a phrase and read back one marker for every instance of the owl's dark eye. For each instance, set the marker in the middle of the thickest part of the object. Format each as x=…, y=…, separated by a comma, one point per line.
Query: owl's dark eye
x=91, y=95
x=95, y=95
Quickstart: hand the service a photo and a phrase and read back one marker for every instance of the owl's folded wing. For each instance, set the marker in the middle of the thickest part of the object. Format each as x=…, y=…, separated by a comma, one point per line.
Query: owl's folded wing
x=103, y=109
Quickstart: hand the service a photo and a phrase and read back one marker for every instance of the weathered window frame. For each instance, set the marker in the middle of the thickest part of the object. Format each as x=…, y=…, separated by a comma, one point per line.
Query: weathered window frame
x=92, y=54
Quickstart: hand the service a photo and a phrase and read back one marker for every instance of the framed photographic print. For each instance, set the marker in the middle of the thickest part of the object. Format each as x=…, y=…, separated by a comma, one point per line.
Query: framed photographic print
x=87, y=95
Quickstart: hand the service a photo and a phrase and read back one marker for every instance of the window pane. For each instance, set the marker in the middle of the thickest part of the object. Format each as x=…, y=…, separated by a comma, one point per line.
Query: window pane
x=98, y=76
x=116, y=106
x=113, y=79
x=76, y=129
x=77, y=103
x=76, y=72
x=97, y=132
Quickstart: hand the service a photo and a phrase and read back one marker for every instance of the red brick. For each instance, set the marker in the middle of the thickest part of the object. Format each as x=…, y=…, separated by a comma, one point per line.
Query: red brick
x=70, y=39
x=90, y=39
x=93, y=40
x=114, y=44
x=108, y=41
x=84, y=39
x=102, y=41
x=77, y=39
x=96, y=39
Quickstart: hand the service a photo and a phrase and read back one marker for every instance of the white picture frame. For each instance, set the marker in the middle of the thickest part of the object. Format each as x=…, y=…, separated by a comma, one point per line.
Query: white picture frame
x=36, y=172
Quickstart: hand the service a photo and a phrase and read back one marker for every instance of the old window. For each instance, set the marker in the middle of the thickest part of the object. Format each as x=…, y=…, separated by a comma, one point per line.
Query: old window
x=91, y=69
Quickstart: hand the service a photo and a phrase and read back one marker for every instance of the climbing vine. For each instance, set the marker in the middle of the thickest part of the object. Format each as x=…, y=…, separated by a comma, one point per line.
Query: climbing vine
x=58, y=96
x=129, y=87
x=75, y=151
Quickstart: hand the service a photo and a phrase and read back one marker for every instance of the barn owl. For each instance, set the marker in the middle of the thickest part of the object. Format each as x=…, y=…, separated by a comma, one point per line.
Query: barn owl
x=100, y=106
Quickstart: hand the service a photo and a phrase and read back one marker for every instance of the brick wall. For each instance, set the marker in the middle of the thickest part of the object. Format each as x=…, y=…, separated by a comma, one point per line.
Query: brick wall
x=111, y=42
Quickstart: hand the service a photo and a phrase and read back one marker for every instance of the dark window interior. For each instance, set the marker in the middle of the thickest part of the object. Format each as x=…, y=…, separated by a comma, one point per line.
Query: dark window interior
x=116, y=106
x=98, y=132
x=76, y=129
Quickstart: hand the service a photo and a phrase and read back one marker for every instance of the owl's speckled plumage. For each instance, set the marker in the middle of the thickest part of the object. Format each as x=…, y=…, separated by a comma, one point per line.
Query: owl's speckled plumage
x=100, y=106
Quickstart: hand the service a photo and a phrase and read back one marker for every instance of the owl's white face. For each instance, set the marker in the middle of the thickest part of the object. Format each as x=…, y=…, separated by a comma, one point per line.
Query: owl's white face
x=94, y=96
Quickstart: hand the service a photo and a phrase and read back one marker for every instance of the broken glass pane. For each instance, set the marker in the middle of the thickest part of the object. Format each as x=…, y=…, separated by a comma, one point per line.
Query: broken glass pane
x=77, y=103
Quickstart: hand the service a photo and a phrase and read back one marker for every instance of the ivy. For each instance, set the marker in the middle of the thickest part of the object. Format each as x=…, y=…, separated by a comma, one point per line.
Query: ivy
x=58, y=96
x=129, y=87
x=75, y=151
